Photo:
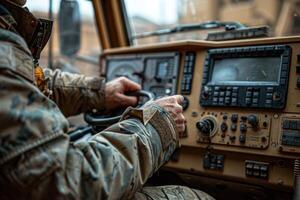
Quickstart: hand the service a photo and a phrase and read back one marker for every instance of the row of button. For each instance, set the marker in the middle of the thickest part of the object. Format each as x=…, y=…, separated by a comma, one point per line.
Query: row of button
x=252, y=96
x=212, y=161
x=225, y=95
x=221, y=101
x=291, y=124
x=260, y=49
x=291, y=138
x=256, y=169
x=186, y=84
x=189, y=63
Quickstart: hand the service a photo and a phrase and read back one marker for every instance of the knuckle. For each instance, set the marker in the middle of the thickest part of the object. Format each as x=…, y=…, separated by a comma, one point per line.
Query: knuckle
x=122, y=79
x=172, y=99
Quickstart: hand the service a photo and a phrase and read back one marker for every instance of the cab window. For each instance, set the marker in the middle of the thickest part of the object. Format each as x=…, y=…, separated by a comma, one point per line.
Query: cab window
x=159, y=16
x=86, y=59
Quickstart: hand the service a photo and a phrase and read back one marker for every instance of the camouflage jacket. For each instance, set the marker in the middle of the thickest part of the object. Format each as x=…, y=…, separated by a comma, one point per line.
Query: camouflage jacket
x=37, y=160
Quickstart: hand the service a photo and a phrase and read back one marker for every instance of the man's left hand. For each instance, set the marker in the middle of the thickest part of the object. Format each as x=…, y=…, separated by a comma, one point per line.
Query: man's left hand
x=115, y=96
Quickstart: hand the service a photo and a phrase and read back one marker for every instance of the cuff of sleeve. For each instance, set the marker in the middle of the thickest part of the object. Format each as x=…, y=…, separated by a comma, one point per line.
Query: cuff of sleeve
x=160, y=119
x=95, y=98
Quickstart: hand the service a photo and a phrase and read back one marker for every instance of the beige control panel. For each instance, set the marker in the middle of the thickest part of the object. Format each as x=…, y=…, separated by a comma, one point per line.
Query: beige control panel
x=289, y=138
x=247, y=130
x=251, y=144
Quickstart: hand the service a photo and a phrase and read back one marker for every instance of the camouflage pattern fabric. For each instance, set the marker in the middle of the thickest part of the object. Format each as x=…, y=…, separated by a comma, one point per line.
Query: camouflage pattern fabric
x=37, y=160
x=171, y=192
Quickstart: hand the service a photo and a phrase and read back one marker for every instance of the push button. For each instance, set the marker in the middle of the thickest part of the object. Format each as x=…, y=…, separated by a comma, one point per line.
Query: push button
x=243, y=128
x=248, y=94
x=242, y=138
x=233, y=127
x=228, y=93
x=234, y=118
x=248, y=101
x=255, y=94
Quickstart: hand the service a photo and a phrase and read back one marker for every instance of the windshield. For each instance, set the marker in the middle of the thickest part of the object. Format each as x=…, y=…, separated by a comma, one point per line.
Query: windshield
x=148, y=16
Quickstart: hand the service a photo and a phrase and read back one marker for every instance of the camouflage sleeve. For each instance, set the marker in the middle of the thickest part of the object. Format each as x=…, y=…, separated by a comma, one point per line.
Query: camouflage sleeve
x=74, y=93
x=37, y=160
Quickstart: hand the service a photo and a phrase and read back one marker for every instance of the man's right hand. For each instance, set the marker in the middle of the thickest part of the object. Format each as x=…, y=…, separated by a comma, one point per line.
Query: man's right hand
x=173, y=105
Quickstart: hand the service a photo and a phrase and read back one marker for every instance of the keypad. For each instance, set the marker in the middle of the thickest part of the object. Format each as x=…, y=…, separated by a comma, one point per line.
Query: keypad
x=188, y=70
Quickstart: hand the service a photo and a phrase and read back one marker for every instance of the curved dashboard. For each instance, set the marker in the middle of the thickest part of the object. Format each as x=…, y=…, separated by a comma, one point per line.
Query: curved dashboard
x=242, y=103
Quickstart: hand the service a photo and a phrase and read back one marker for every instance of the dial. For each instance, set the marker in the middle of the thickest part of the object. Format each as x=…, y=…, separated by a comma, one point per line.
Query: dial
x=131, y=71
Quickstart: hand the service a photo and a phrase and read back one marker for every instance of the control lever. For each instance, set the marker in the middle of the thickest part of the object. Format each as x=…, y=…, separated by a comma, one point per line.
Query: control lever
x=206, y=127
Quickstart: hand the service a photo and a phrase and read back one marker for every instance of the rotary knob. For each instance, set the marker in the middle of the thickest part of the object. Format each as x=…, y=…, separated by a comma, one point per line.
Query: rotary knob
x=206, y=127
x=253, y=121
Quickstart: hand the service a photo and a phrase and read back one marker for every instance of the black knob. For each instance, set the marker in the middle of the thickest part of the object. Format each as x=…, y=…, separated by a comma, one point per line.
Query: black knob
x=242, y=138
x=234, y=118
x=233, y=127
x=253, y=120
x=205, y=126
x=224, y=127
x=243, y=128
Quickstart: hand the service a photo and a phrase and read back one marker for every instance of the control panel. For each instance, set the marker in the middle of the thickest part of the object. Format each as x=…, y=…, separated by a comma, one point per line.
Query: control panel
x=255, y=76
x=241, y=104
x=247, y=130
x=156, y=73
x=188, y=71
x=290, y=134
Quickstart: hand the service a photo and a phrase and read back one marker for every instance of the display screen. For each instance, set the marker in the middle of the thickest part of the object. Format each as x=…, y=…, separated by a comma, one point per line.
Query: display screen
x=162, y=69
x=264, y=70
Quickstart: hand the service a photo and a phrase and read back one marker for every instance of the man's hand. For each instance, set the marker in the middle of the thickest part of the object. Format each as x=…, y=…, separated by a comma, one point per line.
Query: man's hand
x=115, y=93
x=173, y=105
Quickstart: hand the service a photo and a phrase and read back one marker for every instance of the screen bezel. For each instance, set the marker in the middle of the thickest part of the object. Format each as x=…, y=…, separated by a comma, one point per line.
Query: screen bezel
x=282, y=51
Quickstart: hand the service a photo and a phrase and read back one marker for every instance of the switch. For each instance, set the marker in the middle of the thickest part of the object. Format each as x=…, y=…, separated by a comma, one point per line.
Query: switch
x=213, y=161
x=234, y=118
x=243, y=127
x=224, y=127
x=242, y=138
x=256, y=169
x=233, y=127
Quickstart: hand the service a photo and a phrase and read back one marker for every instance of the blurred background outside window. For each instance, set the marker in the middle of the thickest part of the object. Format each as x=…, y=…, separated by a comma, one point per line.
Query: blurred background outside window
x=282, y=16
x=86, y=60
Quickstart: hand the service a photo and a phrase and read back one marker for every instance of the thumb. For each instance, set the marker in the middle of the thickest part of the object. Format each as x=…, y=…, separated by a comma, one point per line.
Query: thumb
x=128, y=100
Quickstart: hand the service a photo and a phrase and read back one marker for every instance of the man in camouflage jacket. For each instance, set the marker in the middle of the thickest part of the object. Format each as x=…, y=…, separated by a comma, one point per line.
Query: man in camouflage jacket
x=37, y=160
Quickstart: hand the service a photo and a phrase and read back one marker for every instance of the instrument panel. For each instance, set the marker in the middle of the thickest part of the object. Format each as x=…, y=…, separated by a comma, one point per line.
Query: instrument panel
x=157, y=73
x=242, y=104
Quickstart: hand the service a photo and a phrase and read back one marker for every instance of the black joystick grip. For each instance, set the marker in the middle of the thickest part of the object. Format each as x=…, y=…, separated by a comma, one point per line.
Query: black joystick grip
x=205, y=126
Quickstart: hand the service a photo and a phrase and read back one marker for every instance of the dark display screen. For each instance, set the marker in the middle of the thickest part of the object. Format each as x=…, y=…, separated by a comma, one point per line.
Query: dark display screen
x=242, y=71
x=162, y=69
